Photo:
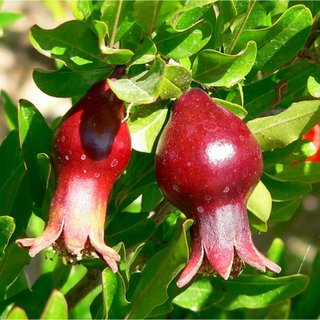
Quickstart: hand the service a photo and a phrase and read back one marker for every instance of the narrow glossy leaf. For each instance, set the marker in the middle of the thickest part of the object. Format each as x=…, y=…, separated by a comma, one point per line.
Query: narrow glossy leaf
x=65, y=83
x=159, y=271
x=139, y=174
x=117, y=56
x=178, y=45
x=189, y=18
x=255, y=292
x=143, y=88
x=35, y=137
x=285, y=190
x=151, y=14
x=201, y=295
x=235, y=108
x=314, y=86
x=144, y=53
x=222, y=70
x=280, y=130
x=276, y=253
x=114, y=299
x=7, y=227
x=260, y=202
x=280, y=42
x=177, y=80
x=56, y=307
x=283, y=211
x=8, y=18
x=11, y=265
x=278, y=90
x=130, y=227
x=17, y=314
x=145, y=124
x=10, y=156
x=307, y=172
x=307, y=305
x=11, y=113
x=72, y=42
x=86, y=9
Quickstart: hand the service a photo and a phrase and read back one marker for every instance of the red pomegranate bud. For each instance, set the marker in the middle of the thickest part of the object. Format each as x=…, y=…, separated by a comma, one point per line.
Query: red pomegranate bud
x=314, y=136
x=207, y=165
x=91, y=149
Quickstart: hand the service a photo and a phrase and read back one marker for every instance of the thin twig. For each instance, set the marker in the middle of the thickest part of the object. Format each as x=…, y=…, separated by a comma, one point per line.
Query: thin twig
x=115, y=26
x=244, y=22
x=153, y=20
x=91, y=280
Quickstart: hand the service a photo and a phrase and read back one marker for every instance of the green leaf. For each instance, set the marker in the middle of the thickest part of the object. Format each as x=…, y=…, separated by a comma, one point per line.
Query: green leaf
x=130, y=227
x=11, y=170
x=255, y=292
x=17, y=314
x=113, y=289
x=307, y=305
x=72, y=42
x=201, y=295
x=314, y=86
x=151, y=14
x=278, y=90
x=35, y=137
x=138, y=176
x=11, y=265
x=8, y=18
x=285, y=190
x=260, y=202
x=235, y=108
x=65, y=83
x=307, y=172
x=178, y=45
x=143, y=88
x=145, y=124
x=11, y=114
x=144, y=53
x=159, y=271
x=7, y=227
x=177, y=80
x=282, y=41
x=276, y=253
x=56, y=307
x=283, y=211
x=280, y=130
x=223, y=70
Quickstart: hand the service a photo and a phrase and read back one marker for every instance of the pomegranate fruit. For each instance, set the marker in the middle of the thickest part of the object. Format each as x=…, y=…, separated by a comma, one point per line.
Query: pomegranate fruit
x=314, y=136
x=91, y=149
x=207, y=165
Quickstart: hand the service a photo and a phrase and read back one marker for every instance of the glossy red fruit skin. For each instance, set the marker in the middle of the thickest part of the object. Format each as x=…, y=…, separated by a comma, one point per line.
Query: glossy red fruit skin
x=91, y=149
x=314, y=136
x=207, y=165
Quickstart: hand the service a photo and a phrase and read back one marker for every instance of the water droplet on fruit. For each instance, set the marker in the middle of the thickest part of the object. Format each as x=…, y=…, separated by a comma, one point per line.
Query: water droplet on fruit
x=175, y=188
x=241, y=137
x=84, y=171
x=97, y=174
x=114, y=163
x=83, y=157
x=67, y=157
x=200, y=209
x=207, y=197
x=226, y=190
x=188, y=164
x=63, y=139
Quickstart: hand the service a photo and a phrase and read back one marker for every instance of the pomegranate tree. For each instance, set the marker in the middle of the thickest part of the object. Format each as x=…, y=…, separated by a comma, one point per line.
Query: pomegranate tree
x=91, y=149
x=207, y=165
